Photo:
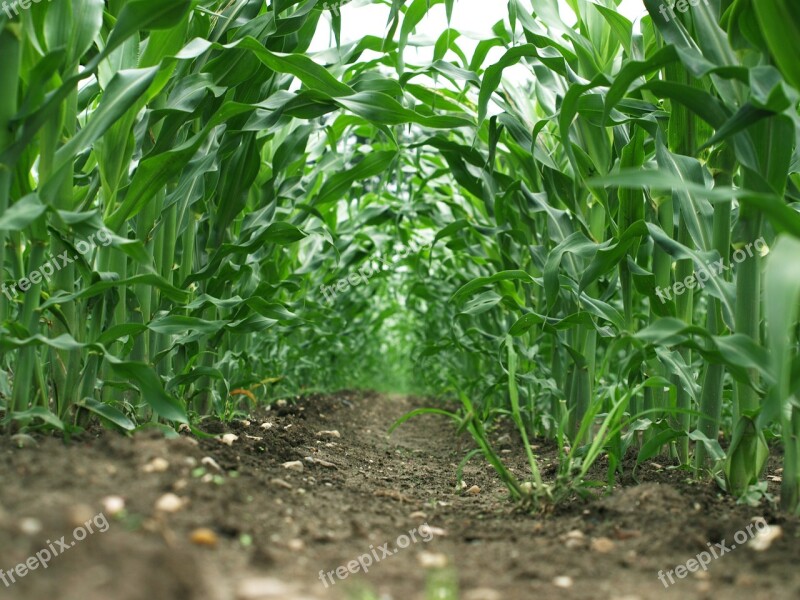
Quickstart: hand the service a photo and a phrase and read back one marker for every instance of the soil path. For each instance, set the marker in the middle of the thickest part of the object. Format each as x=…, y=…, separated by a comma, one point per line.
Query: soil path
x=247, y=528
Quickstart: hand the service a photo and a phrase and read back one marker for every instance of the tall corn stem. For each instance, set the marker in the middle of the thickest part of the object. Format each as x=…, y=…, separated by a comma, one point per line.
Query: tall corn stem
x=711, y=400
x=9, y=80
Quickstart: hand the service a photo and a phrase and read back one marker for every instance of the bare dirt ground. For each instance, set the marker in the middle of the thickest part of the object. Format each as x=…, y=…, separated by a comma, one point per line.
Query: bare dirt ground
x=245, y=527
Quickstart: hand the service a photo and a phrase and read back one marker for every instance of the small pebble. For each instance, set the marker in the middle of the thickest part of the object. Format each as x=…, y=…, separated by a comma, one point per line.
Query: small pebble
x=23, y=440
x=113, y=505
x=563, y=582
x=157, y=465
x=602, y=545
x=263, y=589
x=436, y=531
x=432, y=560
x=482, y=594
x=30, y=526
x=204, y=537
x=210, y=462
x=170, y=503
x=333, y=433
x=296, y=545
x=79, y=514
x=294, y=465
x=229, y=438
x=764, y=538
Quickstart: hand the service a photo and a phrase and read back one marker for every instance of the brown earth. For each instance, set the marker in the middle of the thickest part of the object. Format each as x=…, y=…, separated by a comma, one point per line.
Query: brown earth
x=274, y=529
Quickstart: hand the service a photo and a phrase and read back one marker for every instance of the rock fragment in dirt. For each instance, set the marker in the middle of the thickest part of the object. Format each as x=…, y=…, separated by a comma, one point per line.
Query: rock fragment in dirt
x=563, y=581
x=474, y=490
x=79, y=514
x=294, y=465
x=482, y=594
x=267, y=425
x=281, y=483
x=435, y=531
x=263, y=589
x=324, y=463
x=334, y=433
x=765, y=536
x=602, y=545
x=575, y=539
x=23, y=440
x=432, y=560
x=157, y=465
x=418, y=515
x=113, y=505
x=210, y=462
x=204, y=536
x=170, y=503
x=228, y=439
x=296, y=545
x=704, y=587
x=30, y=526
